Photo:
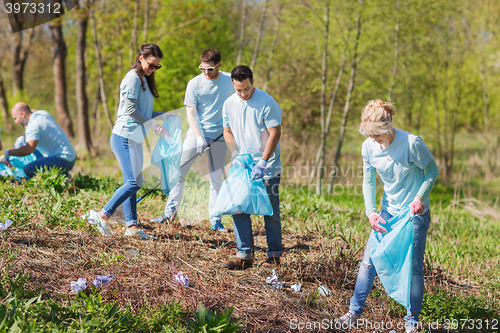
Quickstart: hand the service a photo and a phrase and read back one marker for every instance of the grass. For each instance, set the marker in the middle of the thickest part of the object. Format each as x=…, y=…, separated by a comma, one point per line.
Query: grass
x=49, y=245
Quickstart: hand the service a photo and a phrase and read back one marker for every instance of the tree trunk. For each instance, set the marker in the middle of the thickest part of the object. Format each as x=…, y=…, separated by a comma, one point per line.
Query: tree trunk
x=84, y=139
x=396, y=55
x=330, y=107
x=5, y=108
x=259, y=36
x=242, y=31
x=133, y=35
x=273, y=47
x=20, y=56
x=349, y=95
x=100, y=71
x=323, y=97
x=146, y=20
x=97, y=113
x=59, y=67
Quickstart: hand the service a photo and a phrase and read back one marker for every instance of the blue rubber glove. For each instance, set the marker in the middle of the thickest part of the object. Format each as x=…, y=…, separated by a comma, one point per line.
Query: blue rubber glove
x=259, y=170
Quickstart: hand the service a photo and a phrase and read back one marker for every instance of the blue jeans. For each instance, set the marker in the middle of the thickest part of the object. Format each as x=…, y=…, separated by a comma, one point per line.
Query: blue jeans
x=243, y=226
x=130, y=157
x=48, y=162
x=366, y=274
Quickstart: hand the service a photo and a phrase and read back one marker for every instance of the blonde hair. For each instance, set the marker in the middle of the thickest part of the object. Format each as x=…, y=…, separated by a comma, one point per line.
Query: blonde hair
x=378, y=115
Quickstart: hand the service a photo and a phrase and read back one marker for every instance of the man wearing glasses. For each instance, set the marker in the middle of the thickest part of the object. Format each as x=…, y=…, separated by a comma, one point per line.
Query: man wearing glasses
x=204, y=98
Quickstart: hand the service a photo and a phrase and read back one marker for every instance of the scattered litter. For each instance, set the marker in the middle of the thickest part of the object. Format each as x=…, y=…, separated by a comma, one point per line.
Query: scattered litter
x=182, y=279
x=324, y=291
x=90, y=216
x=6, y=225
x=102, y=280
x=77, y=286
x=132, y=254
x=273, y=281
x=296, y=287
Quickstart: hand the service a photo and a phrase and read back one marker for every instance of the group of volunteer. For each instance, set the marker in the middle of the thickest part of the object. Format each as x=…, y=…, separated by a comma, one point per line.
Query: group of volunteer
x=225, y=111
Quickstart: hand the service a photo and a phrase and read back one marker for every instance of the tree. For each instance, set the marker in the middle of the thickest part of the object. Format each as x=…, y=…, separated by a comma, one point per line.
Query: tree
x=59, y=68
x=259, y=36
x=84, y=138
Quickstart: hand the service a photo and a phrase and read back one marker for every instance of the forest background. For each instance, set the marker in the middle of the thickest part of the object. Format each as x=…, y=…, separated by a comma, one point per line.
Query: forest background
x=437, y=61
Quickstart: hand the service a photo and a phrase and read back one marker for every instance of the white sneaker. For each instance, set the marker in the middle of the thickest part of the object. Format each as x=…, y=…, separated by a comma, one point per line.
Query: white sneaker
x=142, y=235
x=347, y=321
x=94, y=218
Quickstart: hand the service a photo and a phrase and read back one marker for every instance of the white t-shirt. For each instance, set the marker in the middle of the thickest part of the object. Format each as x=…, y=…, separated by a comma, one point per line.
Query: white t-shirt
x=400, y=167
x=52, y=141
x=249, y=121
x=208, y=96
x=131, y=88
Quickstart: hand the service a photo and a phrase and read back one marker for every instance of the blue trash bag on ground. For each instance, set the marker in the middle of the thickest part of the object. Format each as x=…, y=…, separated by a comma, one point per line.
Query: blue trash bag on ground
x=238, y=194
x=5, y=170
x=167, y=154
x=19, y=162
x=392, y=255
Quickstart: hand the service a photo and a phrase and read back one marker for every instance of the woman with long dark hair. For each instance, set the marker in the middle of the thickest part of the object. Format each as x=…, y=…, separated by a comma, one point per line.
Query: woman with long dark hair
x=133, y=121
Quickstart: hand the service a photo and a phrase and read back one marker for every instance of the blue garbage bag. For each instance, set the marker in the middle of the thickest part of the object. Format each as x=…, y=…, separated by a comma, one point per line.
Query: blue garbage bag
x=392, y=254
x=5, y=170
x=167, y=154
x=238, y=194
x=19, y=162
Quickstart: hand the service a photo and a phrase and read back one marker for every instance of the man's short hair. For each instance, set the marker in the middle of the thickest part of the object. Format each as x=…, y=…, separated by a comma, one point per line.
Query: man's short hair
x=210, y=55
x=241, y=72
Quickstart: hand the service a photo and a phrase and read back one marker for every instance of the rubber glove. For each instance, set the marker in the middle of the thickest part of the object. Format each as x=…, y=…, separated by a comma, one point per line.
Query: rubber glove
x=416, y=207
x=234, y=159
x=375, y=219
x=259, y=170
x=201, y=143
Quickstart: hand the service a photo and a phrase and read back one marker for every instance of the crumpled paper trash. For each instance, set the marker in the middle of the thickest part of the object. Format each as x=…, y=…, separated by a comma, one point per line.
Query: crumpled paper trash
x=182, y=279
x=90, y=216
x=77, y=286
x=273, y=281
x=324, y=291
x=102, y=280
x=7, y=224
x=296, y=287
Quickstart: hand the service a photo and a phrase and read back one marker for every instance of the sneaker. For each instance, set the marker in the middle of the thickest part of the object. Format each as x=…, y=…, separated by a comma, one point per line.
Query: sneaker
x=218, y=226
x=237, y=263
x=161, y=219
x=142, y=235
x=102, y=225
x=347, y=321
x=271, y=262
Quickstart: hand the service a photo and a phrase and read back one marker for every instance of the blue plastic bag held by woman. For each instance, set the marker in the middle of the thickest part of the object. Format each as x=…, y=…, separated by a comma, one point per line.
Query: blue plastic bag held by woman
x=167, y=154
x=391, y=254
x=238, y=194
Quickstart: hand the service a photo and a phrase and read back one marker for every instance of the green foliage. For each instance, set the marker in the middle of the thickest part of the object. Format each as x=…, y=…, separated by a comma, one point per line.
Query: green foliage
x=89, y=182
x=208, y=321
x=439, y=307
x=51, y=179
x=169, y=318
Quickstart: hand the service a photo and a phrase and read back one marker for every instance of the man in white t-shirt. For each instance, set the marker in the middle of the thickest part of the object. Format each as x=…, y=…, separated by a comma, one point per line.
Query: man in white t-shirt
x=205, y=95
x=45, y=135
x=252, y=125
